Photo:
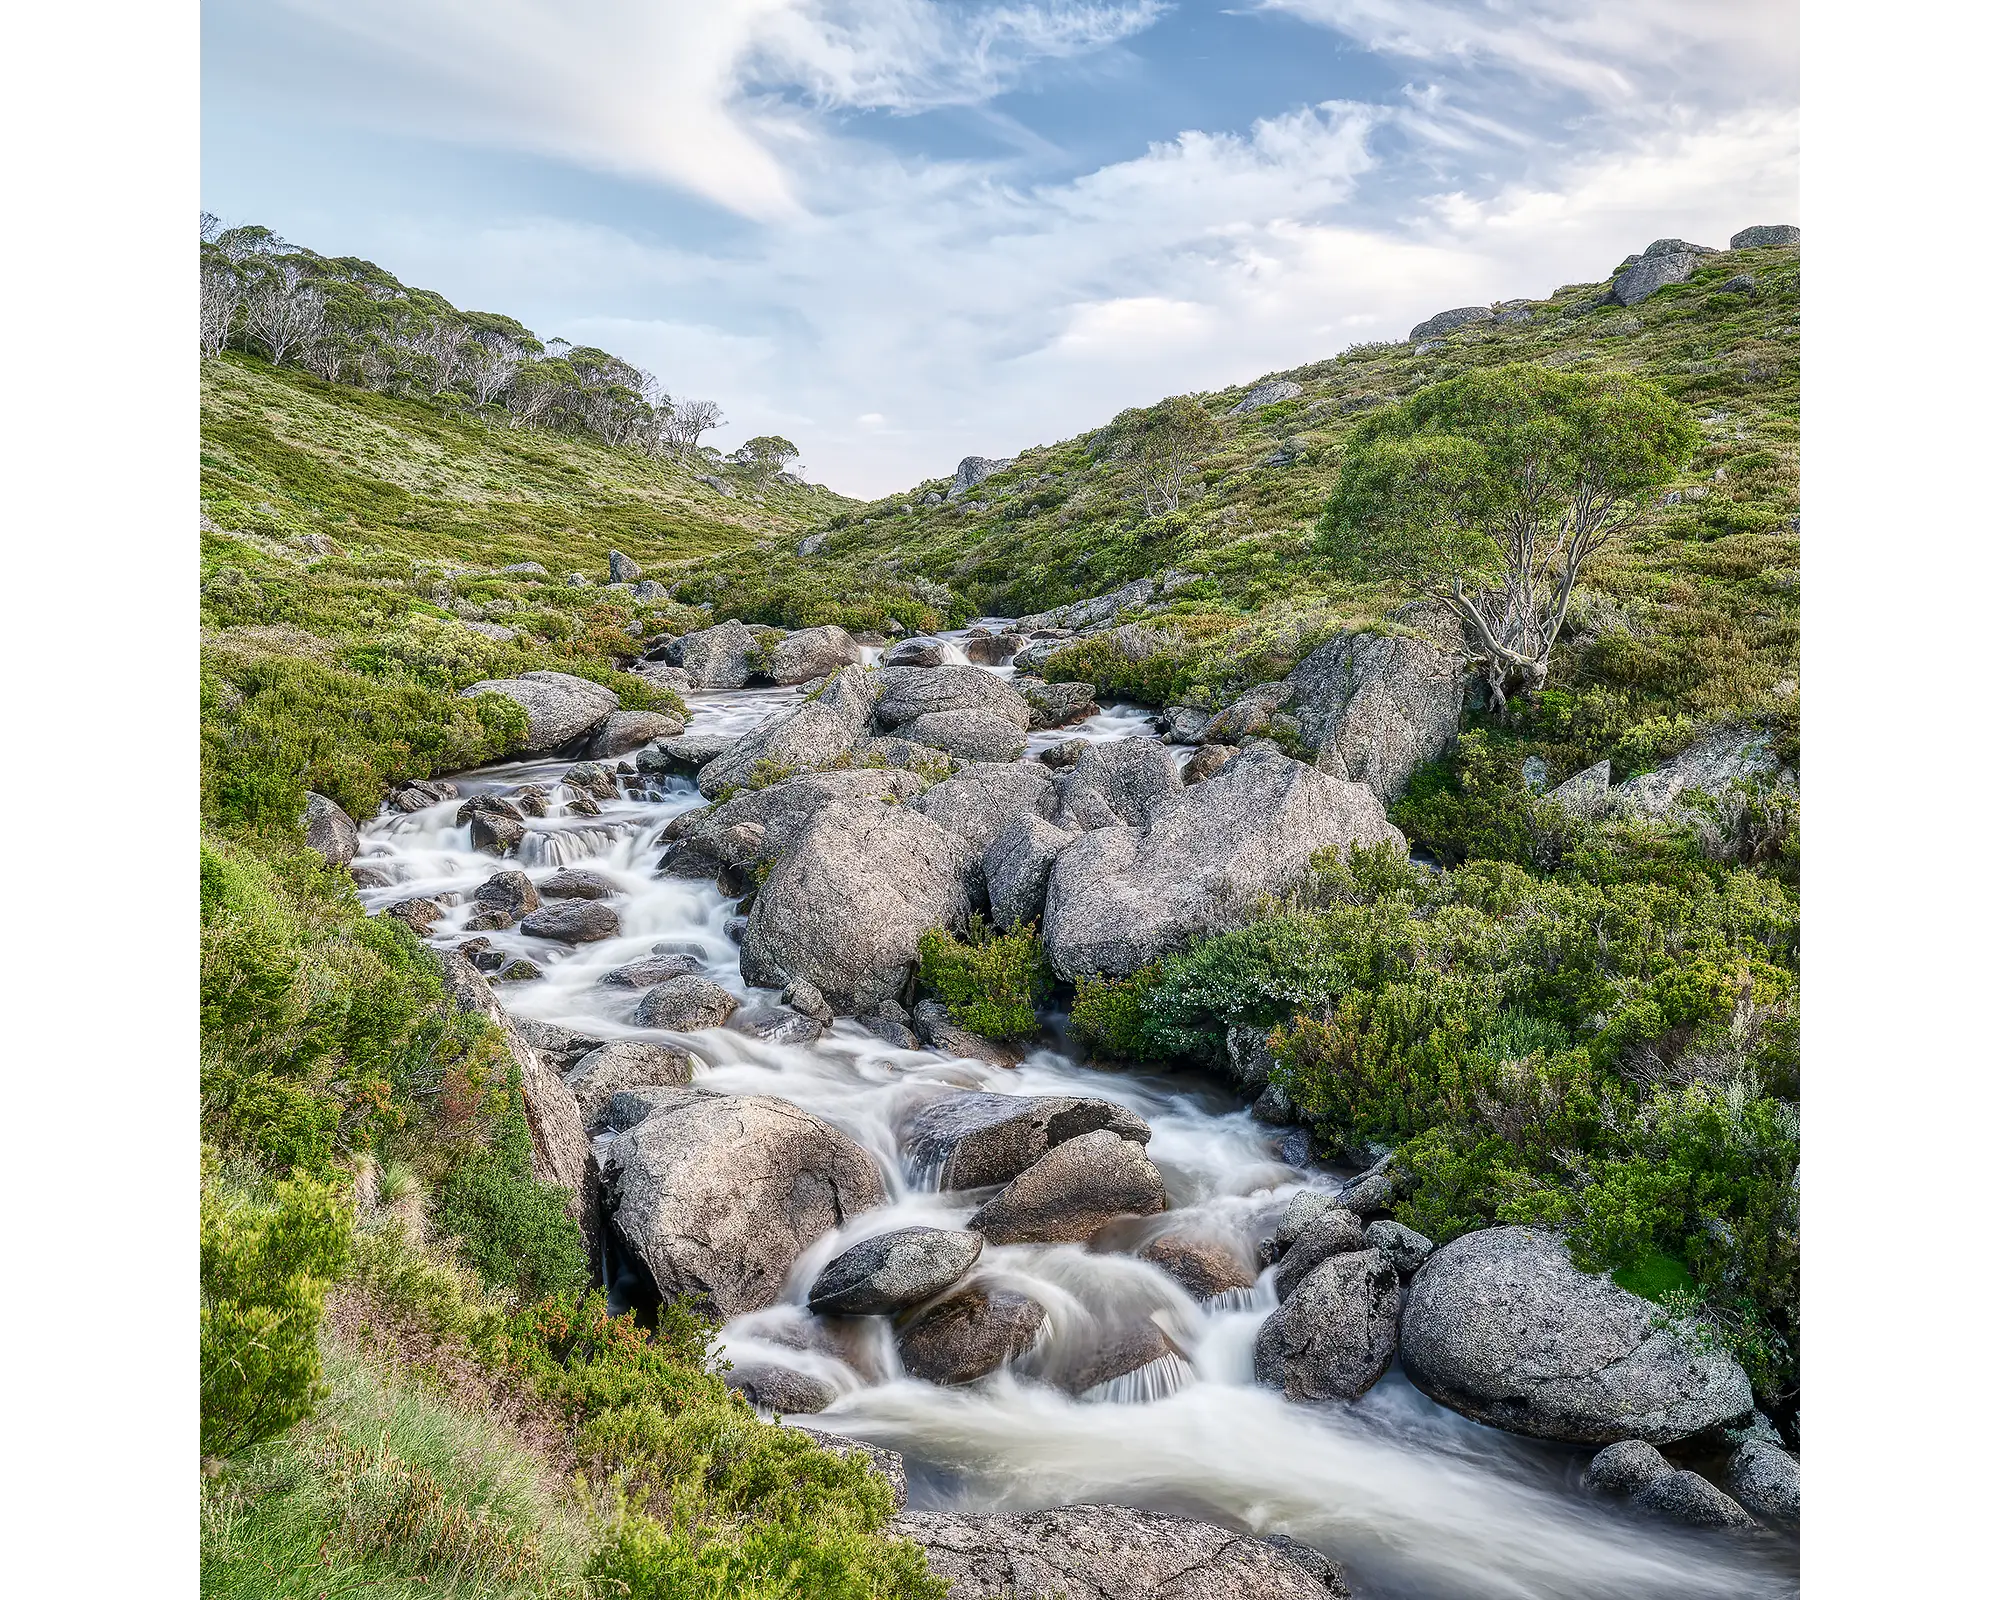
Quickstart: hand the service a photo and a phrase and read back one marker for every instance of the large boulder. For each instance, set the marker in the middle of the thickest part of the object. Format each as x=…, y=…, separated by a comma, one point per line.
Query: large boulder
x=922, y=651
x=715, y=658
x=811, y=653
x=623, y=568
x=1268, y=393
x=1665, y=261
x=968, y=735
x=1764, y=1478
x=1074, y=1190
x=560, y=707
x=1119, y=780
x=1058, y=705
x=821, y=730
x=577, y=883
x=330, y=831
x=1121, y=897
x=1764, y=236
x=845, y=906
x=970, y=1140
x=611, y=1069
x=894, y=1270
x=908, y=693
x=759, y=824
x=1501, y=1326
x=1017, y=863
x=501, y=901
x=981, y=799
x=719, y=1195
x=626, y=731
x=572, y=922
x=1445, y=321
x=1204, y=1267
x=1713, y=765
x=1248, y=717
x=1112, y=1553
x=685, y=1004
x=969, y=1334
x=1336, y=1335
x=973, y=471
x=1329, y=1231
x=1375, y=707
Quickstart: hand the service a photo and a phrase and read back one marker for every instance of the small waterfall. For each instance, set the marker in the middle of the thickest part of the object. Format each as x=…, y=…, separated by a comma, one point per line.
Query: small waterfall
x=1158, y=1378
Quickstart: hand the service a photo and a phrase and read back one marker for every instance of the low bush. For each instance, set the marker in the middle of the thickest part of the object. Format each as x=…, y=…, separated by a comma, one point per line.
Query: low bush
x=990, y=982
x=517, y=1233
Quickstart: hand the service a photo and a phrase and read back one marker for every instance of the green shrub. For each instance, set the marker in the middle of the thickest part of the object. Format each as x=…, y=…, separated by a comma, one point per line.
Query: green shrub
x=1109, y=1015
x=991, y=982
x=514, y=1231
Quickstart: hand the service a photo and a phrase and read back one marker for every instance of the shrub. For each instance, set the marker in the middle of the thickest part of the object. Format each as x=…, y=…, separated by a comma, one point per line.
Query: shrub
x=1109, y=1015
x=517, y=1233
x=991, y=982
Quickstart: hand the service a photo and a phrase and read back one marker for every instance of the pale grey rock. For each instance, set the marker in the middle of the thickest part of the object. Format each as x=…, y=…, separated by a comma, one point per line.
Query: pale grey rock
x=1534, y=774
x=891, y=1271
x=782, y=1391
x=1335, y=1335
x=968, y=735
x=811, y=653
x=499, y=633
x=908, y=693
x=1058, y=705
x=1764, y=1478
x=524, y=569
x=922, y=651
x=1118, y=781
x=1120, y=897
x=803, y=998
x=1502, y=1327
x=967, y=1335
x=684, y=755
x=1247, y=717
x=973, y=471
x=611, y=1069
x=1206, y=762
x=1764, y=236
x=1587, y=795
x=1688, y=1497
x=560, y=707
x=1624, y=1468
x=936, y=1029
x=572, y=922
x=981, y=799
x=812, y=544
x=1742, y=283
x=759, y=824
x=1375, y=707
x=1332, y=1231
x=1074, y=1190
x=822, y=729
x=715, y=658
x=662, y=676
x=1445, y=321
x=1080, y=615
x=685, y=1004
x=719, y=1195
x=1651, y=273
x=649, y=593
x=1017, y=863
x=1181, y=724
x=1406, y=1248
x=1061, y=757
x=1266, y=394
x=623, y=568
x=1712, y=765
x=626, y=731
x=970, y=1139
x=501, y=901
x=577, y=883
x=330, y=831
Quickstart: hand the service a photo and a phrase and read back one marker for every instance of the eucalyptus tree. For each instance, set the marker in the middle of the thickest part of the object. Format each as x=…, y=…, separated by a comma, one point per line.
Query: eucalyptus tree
x=1165, y=445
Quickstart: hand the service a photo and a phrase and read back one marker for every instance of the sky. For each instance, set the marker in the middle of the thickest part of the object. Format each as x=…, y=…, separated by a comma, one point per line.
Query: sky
x=901, y=232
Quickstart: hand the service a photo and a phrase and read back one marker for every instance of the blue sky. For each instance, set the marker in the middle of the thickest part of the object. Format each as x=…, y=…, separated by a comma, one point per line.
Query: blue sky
x=901, y=232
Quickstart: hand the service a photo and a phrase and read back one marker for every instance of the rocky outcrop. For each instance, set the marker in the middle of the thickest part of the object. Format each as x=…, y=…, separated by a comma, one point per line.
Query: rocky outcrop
x=1121, y=896
x=1336, y=1334
x=560, y=707
x=845, y=906
x=1375, y=707
x=572, y=922
x=1446, y=321
x=1624, y=1468
x=1017, y=864
x=330, y=831
x=1058, y=705
x=1713, y=765
x=715, y=658
x=719, y=1195
x=821, y=730
x=1764, y=236
x=968, y=735
x=811, y=653
x=1248, y=717
x=1587, y=795
x=973, y=471
x=1266, y=394
x=969, y=1334
x=980, y=800
x=685, y=1005
x=893, y=1271
x=1664, y=261
x=1092, y=1552
x=1118, y=781
x=1084, y=615
x=1074, y=1190
x=626, y=731
x=1501, y=1327
x=626, y=1064
x=908, y=693
x=970, y=1140
x=1203, y=1267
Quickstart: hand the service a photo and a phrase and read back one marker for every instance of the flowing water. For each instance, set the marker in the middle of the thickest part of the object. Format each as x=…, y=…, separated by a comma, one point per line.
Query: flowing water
x=1414, y=1500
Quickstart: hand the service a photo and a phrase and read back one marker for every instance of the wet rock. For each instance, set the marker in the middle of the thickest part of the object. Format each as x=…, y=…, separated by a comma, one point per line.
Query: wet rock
x=649, y=970
x=1375, y=707
x=1624, y=1468
x=502, y=900
x=1501, y=1327
x=912, y=692
x=1074, y=1190
x=759, y=824
x=1246, y=1059
x=1764, y=1478
x=572, y=922
x=564, y=1044
x=846, y=904
x=921, y=651
x=994, y=650
x=980, y=800
x=623, y=569
x=560, y=707
x=1206, y=762
x=896, y=1034
x=887, y=1464
x=1109, y=1553
x=1120, y=897
x=498, y=804
x=969, y=1334
x=419, y=913
x=936, y=1029
x=1062, y=756
x=972, y=1139
x=685, y=1005
x=1406, y=1248
x=715, y=658
x=1764, y=236
x=577, y=883
x=1274, y=1106
x=611, y=1069
x=1375, y=1190
x=495, y=833
x=968, y=735
x=1331, y=1231
x=626, y=731
x=519, y=970
x=1203, y=1267
x=1118, y=781
x=1688, y=1497
x=803, y=998
x=776, y=1024
x=1110, y=1353
x=1017, y=864
x=894, y=1270
x=1058, y=705
x=330, y=831
x=782, y=1391
x=1181, y=724
x=591, y=778
x=629, y=1107
x=684, y=756
x=422, y=794
x=819, y=731
x=811, y=653
x=719, y=1195
x=1335, y=1336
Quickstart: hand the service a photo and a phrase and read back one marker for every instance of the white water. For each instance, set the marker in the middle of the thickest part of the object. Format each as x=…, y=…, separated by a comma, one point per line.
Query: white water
x=1414, y=1500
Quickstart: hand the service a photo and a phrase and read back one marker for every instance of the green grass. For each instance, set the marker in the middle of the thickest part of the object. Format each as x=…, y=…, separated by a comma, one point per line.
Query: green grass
x=1655, y=1277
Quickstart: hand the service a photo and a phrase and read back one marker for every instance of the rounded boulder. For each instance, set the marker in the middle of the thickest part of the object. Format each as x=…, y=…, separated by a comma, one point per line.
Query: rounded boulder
x=894, y=1270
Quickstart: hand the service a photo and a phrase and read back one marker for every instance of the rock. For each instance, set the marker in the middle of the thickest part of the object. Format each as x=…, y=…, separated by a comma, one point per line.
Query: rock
x=649, y=593
x=371, y=875
x=1330, y=1231
x=592, y=778
x=518, y=971
x=1587, y=795
x=892, y=1271
x=720, y=1194
x=421, y=794
x=897, y=1035
x=330, y=831
x=623, y=569
x=759, y=824
x=1247, y=1058
x=1375, y=707
x=969, y=1334
x=1017, y=864
x=1082, y=614
x=1625, y=1468
x=577, y=883
x=1206, y=762
x=811, y=735
x=1266, y=394
x=1090, y=1552
x=907, y=753
x=1534, y=774
x=630, y=1107
x=1275, y=1107
x=1712, y=765
x=1120, y=897
x=1074, y=1190
x=803, y=998
x=419, y=913
x=1445, y=321
x=782, y=1391
x=884, y=1463
x=1651, y=273
x=561, y=1043
x=685, y=1005
x=626, y=1064
x=525, y=569
x=1181, y=724
x=1061, y=757
x=1374, y=1190
x=715, y=658
x=1203, y=1267
x=811, y=653
x=1058, y=705
x=845, y=906
x=1248, y=717
x=1689, y=1497
x=1118, y=781
x=982, y=799
x=993, y=650
x=626, y=731
x=922, y=651
x=776, y=1024
x=649, y=970
x=560, y=707
x=970, y=1140
x=973, y=471
x=936, y=1029
x=572, y=922
x=1763, y=237
x=1764, y=1478
x=684, y=756
x=495, y=833
x=660, y=676
x=908, y=693
x=1501, y=1327
x=1108, y=1353
x=498, y=804
x=1742, y=283
x=812, y=544
x=501, y=901
x=968, y=735
x=1406, y=1248
x=1336, y=1334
